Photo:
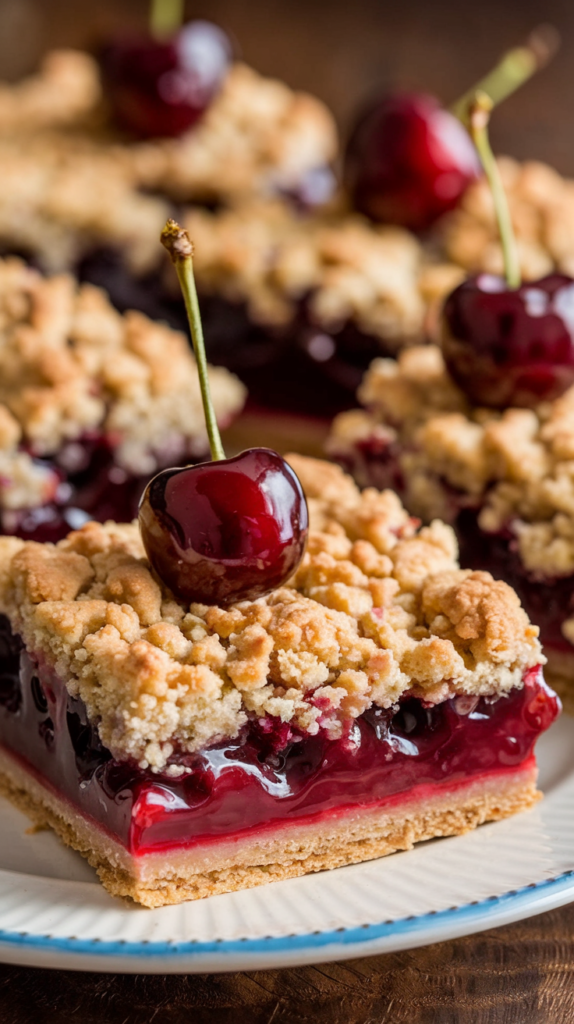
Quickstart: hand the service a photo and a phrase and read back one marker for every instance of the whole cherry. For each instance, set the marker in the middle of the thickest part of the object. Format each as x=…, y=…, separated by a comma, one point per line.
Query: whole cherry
x=227, y=530
x=161, y=82
x=408, y=160
x=508, y=346
x=508, y=343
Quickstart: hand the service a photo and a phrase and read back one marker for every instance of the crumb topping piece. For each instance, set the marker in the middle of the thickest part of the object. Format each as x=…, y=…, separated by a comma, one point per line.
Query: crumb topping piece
x=376, y=609
x=262, y=254
x=257, y=136
x=516, y=466
x=70, y=364
x=65, y=90
x=541, y=205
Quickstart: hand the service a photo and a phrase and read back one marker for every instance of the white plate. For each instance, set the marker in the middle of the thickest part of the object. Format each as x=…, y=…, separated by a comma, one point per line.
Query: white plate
x=53, y=913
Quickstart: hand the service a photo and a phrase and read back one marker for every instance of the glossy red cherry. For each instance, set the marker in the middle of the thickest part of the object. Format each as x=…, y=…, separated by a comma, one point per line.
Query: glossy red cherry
x=228, y=530
x=408, y=161
x=510, y=346
x=225, y=531
x=160, y=87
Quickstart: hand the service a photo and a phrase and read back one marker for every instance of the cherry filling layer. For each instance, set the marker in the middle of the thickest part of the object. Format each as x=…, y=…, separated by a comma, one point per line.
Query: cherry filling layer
x=87, y=484
x=267, y=777
x=548, y=600
x=299, y=367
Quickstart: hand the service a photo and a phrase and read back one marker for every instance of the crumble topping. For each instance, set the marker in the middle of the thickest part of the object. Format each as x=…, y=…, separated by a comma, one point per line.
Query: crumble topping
x=79, y=187
x=517, y=466
x=267, y=256
x=376, y=609
x=71, y=364
x=64, y=194
x=256, y=136
x=542, y=209
x=64, y=91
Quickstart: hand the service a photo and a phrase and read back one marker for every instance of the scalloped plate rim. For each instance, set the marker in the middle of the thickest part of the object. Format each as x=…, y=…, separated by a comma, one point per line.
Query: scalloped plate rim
x=283, y=951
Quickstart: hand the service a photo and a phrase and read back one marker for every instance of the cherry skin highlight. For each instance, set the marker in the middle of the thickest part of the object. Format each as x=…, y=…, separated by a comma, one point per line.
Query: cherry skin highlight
x=408, y=161
x=161, y=88
x=225, y=531
x=510, y=346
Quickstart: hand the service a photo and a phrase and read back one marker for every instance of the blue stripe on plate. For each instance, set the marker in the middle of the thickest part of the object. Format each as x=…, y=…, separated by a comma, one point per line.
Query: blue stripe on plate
x=344, y=936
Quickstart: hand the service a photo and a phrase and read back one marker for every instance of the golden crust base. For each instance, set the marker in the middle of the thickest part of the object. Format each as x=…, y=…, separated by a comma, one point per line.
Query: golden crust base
x=361, y=834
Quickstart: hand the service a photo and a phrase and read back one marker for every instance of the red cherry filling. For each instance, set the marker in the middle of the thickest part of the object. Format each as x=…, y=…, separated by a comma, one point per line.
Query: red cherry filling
x=267, y=775
x=162, y=87
x=508, y=347
x=225, y=531
x=408, y=161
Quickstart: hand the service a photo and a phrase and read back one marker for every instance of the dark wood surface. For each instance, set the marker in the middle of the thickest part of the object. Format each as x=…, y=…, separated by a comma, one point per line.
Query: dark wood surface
x=521, y=974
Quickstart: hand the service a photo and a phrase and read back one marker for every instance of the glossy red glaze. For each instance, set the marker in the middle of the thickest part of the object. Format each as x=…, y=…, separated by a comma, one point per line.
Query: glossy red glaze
x=510, y=347
x=163, y=88
x=408, y=161
x=225, y=531
x=269, y=776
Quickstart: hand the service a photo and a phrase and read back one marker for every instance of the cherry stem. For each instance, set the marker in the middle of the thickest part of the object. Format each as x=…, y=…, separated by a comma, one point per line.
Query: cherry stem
x=478, y=118
x=515, y=67
x=178, y=244
x=166, y=17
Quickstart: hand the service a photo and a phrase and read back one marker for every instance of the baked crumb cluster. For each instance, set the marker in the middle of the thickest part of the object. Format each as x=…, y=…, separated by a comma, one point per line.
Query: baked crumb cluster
x=266, y=256
x=64, y=92
x=517, y=466
x=377, y=608
x=542, y=209
x=70, y=364
x=258, y=136
x=65, y=194
x=69, y=188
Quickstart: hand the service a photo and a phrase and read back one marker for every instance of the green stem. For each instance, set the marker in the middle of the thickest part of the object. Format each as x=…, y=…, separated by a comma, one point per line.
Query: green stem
x=166, y=17
x=514, y=68
x=178, y=244
x=478, y=118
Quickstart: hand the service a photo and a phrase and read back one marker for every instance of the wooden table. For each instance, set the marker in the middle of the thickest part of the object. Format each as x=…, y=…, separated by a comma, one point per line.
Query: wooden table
x=520, y=974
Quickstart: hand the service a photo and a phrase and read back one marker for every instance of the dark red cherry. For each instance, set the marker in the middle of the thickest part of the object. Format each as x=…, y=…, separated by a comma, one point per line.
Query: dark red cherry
x=162, y=87
x=225, y=531
x=509, y=347
x=408, y=161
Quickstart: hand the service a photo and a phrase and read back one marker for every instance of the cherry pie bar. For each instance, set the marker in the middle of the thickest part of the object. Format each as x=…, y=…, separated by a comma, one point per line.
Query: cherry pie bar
x=92, y=403
x=503, y=479
x=382, y=697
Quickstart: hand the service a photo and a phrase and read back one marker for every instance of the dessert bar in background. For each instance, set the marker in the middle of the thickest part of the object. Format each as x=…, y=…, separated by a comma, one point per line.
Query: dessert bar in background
x=503, y=479
x=92, y=404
